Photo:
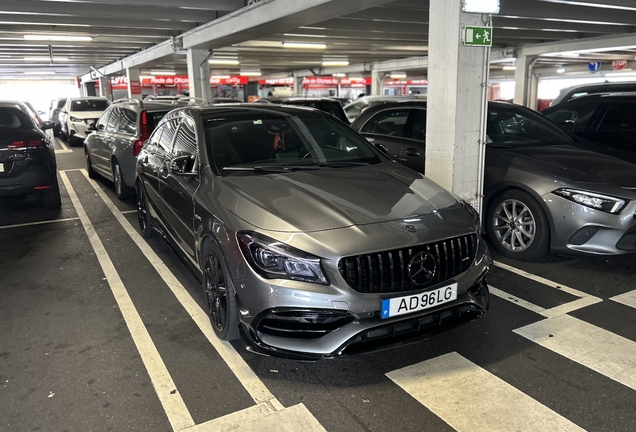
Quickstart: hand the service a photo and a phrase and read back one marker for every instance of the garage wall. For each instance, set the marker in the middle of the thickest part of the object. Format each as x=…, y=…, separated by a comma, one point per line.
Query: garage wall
x=38, y=92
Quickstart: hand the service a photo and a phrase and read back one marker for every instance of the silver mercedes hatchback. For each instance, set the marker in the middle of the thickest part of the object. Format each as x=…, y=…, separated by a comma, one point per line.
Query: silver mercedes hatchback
x=310, y=243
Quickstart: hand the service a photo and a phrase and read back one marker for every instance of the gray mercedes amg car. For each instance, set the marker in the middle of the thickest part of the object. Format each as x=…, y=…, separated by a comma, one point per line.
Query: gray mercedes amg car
x=310, y=243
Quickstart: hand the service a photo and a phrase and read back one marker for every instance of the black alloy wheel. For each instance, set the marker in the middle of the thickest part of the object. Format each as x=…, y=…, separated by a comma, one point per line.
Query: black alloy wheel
x=143, y=216
x=220, y=296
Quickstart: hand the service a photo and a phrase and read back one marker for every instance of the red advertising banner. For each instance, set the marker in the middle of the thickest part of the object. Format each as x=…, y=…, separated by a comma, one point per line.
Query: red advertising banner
x=135, y=88
x=277, y=81
x=122, y=81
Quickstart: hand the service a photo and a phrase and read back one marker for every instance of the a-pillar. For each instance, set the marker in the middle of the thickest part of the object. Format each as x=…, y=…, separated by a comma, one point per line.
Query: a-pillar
x=376, y=82
x=526, y=82
x=104, y=87
x=458, y=77
x=199, y=73
x=134, y=84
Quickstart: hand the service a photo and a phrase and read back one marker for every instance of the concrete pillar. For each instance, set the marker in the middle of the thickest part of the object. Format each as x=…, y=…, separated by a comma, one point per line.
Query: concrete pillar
x=298, y=85
x=376, y=82
x=199, y=73
x=134, y=84
x=104, y=87
x=458, y=77
x=526, y=82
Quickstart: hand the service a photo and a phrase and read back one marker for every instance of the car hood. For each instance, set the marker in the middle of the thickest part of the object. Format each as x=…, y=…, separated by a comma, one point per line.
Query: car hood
x=330, y=198
x=571, y=163
x=86, y=114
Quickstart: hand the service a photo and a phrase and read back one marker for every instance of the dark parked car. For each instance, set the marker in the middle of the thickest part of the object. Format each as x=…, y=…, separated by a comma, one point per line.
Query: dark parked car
x=309, y=241
x=354, y=109
x=593, y=88
x=330, y=106
x=604, y=122
x=541, y=191
x=27, y=157
x=118, y=136
x=54, y=114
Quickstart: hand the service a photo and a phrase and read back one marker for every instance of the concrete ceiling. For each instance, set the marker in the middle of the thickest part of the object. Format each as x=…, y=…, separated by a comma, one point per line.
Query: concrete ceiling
x=395, y=30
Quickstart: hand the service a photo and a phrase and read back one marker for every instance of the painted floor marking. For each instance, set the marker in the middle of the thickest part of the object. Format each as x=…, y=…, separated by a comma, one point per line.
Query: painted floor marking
x=246, y=376
x=129, y=211
x=516, y=300
x=64, y=148
x=598, y=349
x=584, y=300
x=176, y=410
x=258, y=419
x=471, y=399
x=38, y=223
x=628, y=299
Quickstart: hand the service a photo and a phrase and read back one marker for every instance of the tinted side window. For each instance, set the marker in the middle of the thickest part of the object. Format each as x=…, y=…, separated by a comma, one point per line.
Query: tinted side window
x=388, y=122
x=186, y=141
x=574, y=116
x=354, y=109
x=113, y=120
x=620, y=117
x=419, y=126
x=167, y=137
x=128, y=123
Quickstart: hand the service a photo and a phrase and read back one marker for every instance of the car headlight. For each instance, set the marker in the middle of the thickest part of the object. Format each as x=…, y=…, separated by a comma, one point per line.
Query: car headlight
x=590, y=199
x=77, y=120
x=275, y=260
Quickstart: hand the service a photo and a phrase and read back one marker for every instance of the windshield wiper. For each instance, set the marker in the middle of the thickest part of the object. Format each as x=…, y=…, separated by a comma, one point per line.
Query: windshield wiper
x=342, y=164
x=274, y=168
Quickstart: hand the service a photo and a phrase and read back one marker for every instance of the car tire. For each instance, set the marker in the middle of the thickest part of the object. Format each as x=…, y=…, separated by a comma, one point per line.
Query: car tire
x=122, y=190
x=517, y=226
x=56, y=130
x=219, y=293
x=143, y=214
x=89, y=166
x=51, y=199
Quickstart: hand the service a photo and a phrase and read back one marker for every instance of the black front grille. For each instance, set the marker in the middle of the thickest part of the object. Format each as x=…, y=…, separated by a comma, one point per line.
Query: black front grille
x=386, y=271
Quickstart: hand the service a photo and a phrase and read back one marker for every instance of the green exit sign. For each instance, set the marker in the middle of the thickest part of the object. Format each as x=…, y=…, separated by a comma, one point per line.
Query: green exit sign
x=478, y=36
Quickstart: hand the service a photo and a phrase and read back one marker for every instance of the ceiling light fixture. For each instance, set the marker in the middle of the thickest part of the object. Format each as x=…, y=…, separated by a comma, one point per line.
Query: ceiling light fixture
x=509, y=68
x=335, y=63
x=560, y=70
x=162, y=72
x=220, y=77
x=398, y=75
x=340, y=75
x=304, y=45
x=250, y=73
x=481, y=6
x=223, y=61
x=46, y=59
x=58, y=38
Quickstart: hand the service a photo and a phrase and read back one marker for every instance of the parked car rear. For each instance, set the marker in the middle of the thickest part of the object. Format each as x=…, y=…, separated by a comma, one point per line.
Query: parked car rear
x=117, y=137
x=27, y=158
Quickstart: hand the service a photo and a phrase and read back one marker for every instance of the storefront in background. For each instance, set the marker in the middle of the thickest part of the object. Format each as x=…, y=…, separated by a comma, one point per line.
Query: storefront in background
x=345, y=87
x=276, y=87
x=234, y=86
x=404, y=87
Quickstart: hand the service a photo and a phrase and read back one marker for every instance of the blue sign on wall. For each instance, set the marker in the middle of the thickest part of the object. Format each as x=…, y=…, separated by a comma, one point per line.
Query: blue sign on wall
x=594, y=66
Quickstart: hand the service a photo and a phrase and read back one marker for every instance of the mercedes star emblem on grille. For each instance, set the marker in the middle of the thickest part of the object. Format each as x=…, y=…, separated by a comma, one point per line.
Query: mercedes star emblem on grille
x=422, y=268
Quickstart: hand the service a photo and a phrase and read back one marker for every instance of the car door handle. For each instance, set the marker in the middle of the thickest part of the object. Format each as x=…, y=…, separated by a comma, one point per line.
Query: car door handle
x=412, y=152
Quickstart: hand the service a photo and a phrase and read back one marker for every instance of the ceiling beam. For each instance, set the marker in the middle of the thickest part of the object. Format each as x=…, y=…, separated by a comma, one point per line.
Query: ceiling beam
x=219, y=5
x=603, y=43
x=268, y=17
x=81, y=23
x=566, y=12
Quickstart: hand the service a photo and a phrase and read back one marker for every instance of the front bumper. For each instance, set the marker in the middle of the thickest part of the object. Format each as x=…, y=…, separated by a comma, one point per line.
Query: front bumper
x=79, y=130
x=360, y=327
x=582, y=230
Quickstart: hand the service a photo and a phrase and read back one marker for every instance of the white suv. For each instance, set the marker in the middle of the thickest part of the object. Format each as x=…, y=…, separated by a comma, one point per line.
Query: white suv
x=77, y=114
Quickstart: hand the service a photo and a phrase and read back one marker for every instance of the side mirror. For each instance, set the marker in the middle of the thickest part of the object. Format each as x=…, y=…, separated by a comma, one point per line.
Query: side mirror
x=183, y=165
x=47, y=125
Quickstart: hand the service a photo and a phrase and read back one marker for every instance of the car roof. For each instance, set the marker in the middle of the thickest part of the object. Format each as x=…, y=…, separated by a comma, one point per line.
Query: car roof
x=297, y=98
x=13, y=104
x=88, y=98
x=148, y=104
x=211, y=110
x=608, y=94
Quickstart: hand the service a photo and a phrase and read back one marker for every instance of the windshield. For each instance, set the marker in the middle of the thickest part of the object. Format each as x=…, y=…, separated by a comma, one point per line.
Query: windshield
x=89, y=105
x=508, y=127
x=271, y=143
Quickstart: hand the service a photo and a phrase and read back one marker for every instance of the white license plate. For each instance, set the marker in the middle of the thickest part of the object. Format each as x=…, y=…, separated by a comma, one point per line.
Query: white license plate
x=1, y=167
x=417, y=302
